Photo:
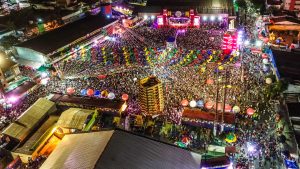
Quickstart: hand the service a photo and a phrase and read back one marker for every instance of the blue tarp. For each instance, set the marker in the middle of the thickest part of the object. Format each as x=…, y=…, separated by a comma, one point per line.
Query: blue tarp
x=291, y=164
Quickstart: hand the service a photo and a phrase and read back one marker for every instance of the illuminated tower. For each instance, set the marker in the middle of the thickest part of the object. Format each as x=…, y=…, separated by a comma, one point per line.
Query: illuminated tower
x=151, y=96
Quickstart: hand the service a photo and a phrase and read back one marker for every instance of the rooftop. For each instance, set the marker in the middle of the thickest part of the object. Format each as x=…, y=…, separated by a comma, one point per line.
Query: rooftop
x=288, y=64
x=285, y=19
x=150, y=81
x=62, y=36
x=154, y=6
x=207, y=116
x=73, y=118
x=5, y=62
x=115, y=104
x=118, y=149
x=294, y=109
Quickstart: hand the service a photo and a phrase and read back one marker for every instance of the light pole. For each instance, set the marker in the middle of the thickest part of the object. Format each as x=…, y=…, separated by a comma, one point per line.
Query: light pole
x=216, y=103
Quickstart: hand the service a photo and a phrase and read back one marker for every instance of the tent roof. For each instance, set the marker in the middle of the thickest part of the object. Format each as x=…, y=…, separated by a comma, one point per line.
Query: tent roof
x=60, y=37
x=199, y=114
x=73, y=118
x=118, y=149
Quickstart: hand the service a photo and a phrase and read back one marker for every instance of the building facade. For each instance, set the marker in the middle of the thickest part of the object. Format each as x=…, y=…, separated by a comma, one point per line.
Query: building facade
x=151, y=96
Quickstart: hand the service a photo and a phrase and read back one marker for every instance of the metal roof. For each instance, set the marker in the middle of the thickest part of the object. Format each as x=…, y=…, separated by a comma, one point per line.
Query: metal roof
x=60, y=37
x=29, y=120
x=288, y=64
x=73, y=118
x=118, y=150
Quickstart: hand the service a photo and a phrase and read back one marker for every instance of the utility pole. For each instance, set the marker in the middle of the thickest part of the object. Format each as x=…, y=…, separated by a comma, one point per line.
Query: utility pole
x=224, y=99
x=216, y=103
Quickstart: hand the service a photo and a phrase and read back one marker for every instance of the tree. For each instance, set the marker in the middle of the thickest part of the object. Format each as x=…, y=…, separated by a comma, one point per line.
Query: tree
x=241, y=4
x=259, y=6
x=8, y=41
x=257, y=3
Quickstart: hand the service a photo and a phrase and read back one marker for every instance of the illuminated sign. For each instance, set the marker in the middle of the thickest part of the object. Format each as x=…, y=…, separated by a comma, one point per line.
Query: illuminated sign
x=197, y=21
x=160, y=20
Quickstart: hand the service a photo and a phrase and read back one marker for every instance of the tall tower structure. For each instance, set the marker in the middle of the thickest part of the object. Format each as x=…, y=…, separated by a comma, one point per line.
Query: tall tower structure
x=151, y=96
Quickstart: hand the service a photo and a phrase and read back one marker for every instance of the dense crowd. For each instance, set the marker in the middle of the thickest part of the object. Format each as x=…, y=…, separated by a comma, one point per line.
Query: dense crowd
x=12, y=111
x=232, y=80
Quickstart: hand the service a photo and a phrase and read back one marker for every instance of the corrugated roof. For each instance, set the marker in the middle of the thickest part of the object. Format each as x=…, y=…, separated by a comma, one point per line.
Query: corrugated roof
x=22, y=127
x=73, y=118
x=78, y=151
x=118, y=150
x=129, y=151
x=288, y=64
x=57, y=38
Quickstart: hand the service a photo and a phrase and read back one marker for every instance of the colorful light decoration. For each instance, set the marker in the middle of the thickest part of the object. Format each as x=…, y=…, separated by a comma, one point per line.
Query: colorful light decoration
x=231, y=138
x=197, y=21
x=236, y=109
x=83, y=92
x=125, y=97
x=44, y=81
x=228, y=108
x=229, y=42
x=104, y=93
x=269, y=80
x=265, y=61
x=186, y=140
x=193, y=103
x=250, y=111
x=264, y=56
x=209, y=81
x=90, y=92
x=184, y=102
x=70, y=90
x=160, y=21
x=97, y=93
x=209, y=105
x=200, y=103
x=12, y=99
x=111, y=96
x=220, y=18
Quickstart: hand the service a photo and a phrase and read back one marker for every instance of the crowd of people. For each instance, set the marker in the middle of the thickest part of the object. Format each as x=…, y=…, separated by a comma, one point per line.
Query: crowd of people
x=12, y=111
x=197, y=70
